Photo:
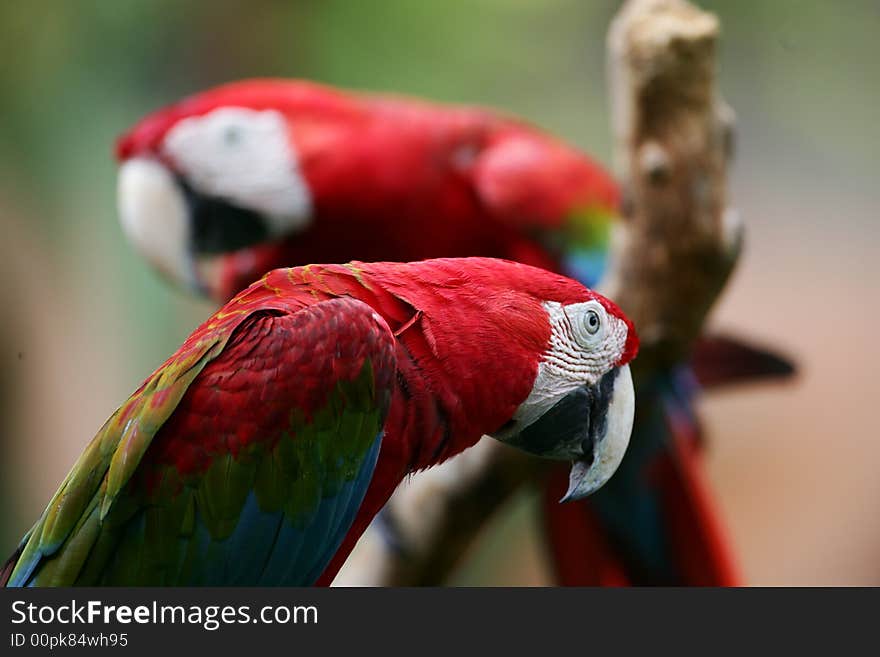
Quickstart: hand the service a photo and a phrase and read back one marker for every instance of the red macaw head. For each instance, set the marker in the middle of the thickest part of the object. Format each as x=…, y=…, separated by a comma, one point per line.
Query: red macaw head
x=210, y=175
x=218, y=181
x=550, y=356
x=581, y=403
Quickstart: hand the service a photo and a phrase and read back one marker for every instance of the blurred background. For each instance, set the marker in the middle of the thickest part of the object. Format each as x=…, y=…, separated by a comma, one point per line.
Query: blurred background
x=84, y=320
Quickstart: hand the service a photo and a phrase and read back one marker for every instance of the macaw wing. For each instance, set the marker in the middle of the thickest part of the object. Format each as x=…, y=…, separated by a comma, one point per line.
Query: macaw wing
x=243, y=460
x=562, y=202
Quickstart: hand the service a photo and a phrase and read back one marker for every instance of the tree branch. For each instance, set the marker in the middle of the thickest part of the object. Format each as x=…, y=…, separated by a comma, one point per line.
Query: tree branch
x=673, y=135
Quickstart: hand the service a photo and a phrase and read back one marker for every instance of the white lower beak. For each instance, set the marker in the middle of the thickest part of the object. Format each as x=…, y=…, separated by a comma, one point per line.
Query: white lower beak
x=154, y=216
x=588, y=476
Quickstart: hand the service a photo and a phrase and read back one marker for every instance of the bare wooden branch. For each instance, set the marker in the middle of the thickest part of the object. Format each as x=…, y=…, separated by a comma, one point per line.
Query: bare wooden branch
x=678, y=243
x=670, y=257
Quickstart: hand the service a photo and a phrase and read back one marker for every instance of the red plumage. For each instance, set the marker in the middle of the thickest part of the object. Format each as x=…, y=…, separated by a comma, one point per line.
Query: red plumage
x=461, y=181
x=401, y=179
x=450, y=388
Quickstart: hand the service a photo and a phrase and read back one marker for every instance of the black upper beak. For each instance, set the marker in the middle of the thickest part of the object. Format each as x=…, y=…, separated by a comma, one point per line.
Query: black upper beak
x=218, y=226
x=590, y=425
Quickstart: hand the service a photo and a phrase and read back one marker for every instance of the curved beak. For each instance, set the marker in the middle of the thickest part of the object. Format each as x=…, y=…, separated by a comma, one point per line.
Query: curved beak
x=590, y=426
x=155, y=217
x=182, y=233
x=608, y=439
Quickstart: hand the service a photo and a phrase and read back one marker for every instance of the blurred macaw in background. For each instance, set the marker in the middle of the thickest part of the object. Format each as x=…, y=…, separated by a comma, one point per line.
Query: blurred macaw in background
x=250, y=456
x=227, y=184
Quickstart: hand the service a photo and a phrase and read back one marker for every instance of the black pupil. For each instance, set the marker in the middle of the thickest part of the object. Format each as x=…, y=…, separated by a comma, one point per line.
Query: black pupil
x=231, y=136
x=594, y=320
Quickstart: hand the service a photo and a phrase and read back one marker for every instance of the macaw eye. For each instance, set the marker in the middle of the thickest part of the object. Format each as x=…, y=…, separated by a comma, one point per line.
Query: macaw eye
x=588, y=323
x=592, y=322
x=232, y=135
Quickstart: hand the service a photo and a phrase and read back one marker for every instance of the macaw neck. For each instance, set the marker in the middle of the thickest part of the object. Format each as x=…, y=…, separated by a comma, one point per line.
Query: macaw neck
x=436, y=413
x=450, y=392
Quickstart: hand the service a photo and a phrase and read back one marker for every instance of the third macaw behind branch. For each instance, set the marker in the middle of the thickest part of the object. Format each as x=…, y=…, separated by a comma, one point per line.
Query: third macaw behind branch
x=230, y=183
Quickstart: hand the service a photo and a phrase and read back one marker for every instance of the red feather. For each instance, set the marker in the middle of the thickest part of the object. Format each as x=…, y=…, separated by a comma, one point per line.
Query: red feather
x=461, y=181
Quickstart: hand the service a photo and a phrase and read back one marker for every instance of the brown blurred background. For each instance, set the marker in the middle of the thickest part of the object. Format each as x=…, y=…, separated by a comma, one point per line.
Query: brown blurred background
x=84, y=321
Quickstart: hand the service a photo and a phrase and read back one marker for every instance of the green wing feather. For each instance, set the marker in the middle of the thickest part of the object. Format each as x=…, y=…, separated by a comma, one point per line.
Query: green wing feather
x=94, y=482
x=272, y=509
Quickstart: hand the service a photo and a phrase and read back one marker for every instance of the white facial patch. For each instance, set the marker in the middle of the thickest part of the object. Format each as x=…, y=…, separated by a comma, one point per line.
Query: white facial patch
x=244, y=157
x=154, y=217
x=585, y=343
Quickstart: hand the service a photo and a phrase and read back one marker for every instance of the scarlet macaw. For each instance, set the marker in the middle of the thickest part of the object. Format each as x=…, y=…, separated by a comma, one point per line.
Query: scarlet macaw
x=250, y=456
x=232, y=182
